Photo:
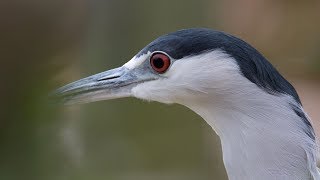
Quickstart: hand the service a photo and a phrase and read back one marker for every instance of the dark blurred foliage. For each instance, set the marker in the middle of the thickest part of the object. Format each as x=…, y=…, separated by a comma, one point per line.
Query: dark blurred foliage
x=45, y=44
x=33, y=34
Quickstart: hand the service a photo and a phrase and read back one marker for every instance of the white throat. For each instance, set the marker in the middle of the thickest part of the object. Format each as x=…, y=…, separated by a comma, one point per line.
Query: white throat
x=261, y=140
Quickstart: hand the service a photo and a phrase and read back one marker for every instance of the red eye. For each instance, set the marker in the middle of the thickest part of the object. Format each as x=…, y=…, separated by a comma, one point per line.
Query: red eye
x=160, y=62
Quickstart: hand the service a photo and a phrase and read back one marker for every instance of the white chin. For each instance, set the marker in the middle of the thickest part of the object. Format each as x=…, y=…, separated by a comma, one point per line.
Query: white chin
x=143, y=92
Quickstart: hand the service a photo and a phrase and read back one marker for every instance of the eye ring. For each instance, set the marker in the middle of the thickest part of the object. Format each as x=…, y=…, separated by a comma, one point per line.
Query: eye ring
x=160, y=62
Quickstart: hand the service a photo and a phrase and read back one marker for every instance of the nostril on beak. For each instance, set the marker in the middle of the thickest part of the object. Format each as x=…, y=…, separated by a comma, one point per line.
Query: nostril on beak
x=108, y=78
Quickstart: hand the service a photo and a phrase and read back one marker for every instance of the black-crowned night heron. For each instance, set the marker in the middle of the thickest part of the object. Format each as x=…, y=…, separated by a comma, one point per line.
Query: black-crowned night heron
x=264, y=131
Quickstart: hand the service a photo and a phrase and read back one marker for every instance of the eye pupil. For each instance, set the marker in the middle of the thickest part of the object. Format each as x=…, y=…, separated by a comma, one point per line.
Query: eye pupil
x=158, y=63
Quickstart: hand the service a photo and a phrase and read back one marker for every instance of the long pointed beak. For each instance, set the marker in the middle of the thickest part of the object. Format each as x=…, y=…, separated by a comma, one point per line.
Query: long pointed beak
x=115, y=83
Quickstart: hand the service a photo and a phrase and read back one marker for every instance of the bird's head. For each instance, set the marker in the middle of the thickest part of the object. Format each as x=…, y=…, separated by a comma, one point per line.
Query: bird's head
x=255, y=111
x=187, y=66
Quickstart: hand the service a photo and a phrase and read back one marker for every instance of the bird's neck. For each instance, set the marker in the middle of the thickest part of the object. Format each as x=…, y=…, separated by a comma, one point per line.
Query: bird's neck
x=261, y=140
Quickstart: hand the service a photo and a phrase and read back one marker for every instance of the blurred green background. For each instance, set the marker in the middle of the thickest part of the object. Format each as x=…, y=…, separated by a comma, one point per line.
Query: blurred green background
x=45, y=44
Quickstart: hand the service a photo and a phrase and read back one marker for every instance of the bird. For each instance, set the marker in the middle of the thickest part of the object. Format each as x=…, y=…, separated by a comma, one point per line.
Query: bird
x=264, y=132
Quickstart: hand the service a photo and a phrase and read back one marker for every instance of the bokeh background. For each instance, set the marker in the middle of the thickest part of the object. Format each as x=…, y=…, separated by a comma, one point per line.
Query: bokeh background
x=47, y=43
